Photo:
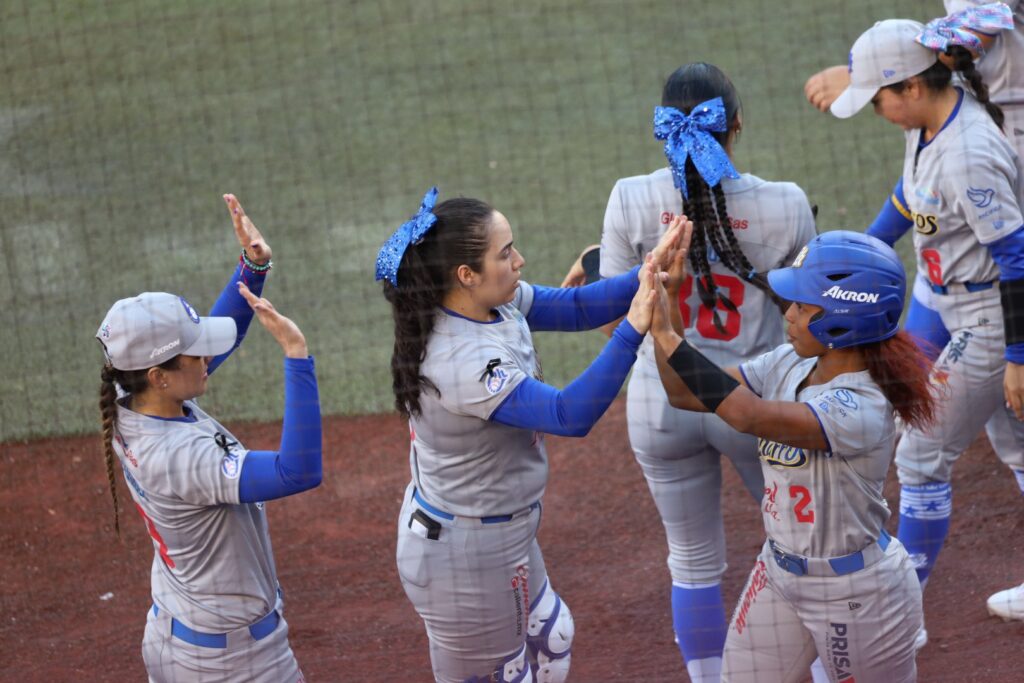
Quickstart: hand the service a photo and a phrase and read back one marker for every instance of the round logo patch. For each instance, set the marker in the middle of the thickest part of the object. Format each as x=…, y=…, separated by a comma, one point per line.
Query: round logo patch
x=496, y=381
x=230, y=466
x=191, y=311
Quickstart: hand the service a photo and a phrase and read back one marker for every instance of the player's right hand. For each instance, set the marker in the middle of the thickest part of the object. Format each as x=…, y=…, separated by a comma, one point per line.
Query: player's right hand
x=577, y=275
x=286, y=332
x=641, y=309
x=824, y=87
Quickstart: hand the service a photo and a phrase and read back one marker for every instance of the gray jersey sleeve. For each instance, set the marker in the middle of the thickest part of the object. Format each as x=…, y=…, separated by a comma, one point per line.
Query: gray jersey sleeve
x=981, y=185
x=757, y=372
x=855, y=421
x=484, y=376
x=617, y=253
x=202, y=472
x=523, y=299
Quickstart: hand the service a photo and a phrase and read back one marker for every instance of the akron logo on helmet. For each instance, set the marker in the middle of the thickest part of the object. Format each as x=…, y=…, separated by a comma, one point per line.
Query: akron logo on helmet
x=841, y=294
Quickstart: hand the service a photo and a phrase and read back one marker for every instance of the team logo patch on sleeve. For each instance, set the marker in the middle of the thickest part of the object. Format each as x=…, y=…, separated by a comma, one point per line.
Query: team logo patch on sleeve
x=496, y=381
x=231, y=466
x=980, y=198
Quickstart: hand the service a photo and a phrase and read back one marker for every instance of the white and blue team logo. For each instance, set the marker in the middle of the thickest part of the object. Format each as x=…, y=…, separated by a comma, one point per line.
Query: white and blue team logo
x=980, y=198
x=230, y=466
x=496, y=380
x=191, y=311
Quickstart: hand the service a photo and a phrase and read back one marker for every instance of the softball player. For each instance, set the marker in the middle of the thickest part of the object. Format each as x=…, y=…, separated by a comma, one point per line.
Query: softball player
x=467, y=376
x=744, y=227
x=829, y=580
x=217, y=606
x=961, y=185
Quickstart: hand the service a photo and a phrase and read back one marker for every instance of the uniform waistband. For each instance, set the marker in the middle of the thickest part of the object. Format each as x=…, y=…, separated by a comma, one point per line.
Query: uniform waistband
x=495, y=519
x=836, y=566
x=260, y=630
x=961, y=287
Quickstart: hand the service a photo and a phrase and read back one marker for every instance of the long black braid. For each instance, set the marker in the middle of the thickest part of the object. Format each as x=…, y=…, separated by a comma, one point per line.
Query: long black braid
x=690, y=85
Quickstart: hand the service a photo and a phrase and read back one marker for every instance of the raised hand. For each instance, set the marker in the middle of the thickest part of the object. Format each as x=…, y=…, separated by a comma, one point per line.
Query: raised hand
x=641, y=309
x=676, y=266
x=670, y=242
x=824, y=87
x=577, y=275
x=286, y=332
x=256, y=248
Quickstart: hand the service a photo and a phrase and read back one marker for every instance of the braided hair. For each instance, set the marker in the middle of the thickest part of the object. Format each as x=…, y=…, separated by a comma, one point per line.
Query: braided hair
x=706, y=206
x=131, y=382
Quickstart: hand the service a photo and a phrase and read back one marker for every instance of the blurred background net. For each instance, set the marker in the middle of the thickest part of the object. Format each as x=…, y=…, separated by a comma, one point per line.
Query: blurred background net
x=122, y=122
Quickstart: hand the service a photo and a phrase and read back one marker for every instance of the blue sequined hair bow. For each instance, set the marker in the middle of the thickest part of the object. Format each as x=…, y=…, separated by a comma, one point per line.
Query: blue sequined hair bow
x=410, y=232
x=690, y=136
x=956, y=29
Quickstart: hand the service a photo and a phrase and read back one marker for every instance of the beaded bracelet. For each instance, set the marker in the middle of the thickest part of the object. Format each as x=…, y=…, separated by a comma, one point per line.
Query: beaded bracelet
x=252, y=266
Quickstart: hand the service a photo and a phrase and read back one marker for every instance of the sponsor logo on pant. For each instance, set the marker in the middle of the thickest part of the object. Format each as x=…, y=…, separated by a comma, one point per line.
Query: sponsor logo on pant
x=758, y=580
x=839, y=650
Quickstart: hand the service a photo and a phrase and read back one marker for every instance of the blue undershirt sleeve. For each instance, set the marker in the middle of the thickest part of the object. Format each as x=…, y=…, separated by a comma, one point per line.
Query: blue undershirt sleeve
x=298, y=465
x=894, y=219
x=230, y=304
x=572, y=309
x=1008, y=253
x=574, y=410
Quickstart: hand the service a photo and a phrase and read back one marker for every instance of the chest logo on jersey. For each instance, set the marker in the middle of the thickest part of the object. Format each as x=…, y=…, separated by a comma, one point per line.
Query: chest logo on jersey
x=780, y=454
x=926, y=223
x=928, y=195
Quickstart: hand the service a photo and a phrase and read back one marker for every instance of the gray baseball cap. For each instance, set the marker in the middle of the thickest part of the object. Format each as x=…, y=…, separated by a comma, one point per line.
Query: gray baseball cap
x=885, y=54
x=146, y=330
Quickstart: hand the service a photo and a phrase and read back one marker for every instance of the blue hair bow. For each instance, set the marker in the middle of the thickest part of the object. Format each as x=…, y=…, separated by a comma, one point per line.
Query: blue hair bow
x=411, y=232
x=956, y=29
x=690, y=136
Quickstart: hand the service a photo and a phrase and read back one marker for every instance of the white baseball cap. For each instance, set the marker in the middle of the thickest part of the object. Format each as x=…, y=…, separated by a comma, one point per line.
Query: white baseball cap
x=886, y=53
x=149, y=329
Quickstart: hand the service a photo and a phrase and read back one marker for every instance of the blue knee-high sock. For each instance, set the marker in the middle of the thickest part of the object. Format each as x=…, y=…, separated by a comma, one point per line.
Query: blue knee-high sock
x=698, y=617
x=924, y=523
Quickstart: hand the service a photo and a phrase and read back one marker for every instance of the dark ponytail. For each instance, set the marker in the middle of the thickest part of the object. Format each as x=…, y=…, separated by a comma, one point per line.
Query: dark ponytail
x=938, y=76
x=131, y=382
x=689, y=86
x=427, y=272
x=902, y=371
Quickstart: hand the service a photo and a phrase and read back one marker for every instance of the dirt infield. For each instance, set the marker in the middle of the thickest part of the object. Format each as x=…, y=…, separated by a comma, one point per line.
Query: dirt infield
x=73, y=600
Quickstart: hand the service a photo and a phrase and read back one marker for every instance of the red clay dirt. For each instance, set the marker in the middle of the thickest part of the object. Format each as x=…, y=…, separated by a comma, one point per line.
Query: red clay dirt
x=73, y=598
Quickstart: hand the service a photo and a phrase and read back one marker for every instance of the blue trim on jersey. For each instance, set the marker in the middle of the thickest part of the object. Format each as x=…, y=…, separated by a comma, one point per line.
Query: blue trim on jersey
x=189, y=416
x=473, y=320
x=892, y=222
x=572, y=309
x=230, y=304
x=828, y=444
x=747, y=381
x=573, y=411
x=298, y=465
x=952, y=115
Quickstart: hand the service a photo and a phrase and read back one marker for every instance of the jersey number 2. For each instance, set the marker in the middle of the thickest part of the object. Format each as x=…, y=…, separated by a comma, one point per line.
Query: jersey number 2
x=800, y=509
x=734, y=289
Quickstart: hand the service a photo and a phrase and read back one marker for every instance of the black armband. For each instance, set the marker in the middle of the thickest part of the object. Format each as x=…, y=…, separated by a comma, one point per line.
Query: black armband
x=591, y=261
x=708, y=382
x=1011, y=294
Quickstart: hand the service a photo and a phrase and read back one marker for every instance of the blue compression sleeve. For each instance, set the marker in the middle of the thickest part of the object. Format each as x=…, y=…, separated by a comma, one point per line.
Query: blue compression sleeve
x=894, y=219
x=298, y=466
x=573, y=410
x=582, y=308
x=231, y=304
x=1008, y=253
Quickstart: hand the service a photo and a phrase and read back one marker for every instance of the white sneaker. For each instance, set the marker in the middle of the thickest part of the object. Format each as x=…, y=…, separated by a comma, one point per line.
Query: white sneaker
x=921, y=639
x=1008, y=604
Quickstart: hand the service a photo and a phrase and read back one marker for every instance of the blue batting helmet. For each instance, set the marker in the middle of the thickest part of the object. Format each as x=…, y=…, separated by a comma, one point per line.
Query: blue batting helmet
x=857, y=280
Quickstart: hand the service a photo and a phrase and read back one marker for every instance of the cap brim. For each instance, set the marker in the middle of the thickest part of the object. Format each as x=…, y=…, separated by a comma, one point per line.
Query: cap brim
x=851, y=101
x=216, y=336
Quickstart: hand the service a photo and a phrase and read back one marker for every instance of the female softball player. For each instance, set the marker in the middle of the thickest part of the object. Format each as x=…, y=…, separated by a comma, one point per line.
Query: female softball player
x=983, y=31
x=217, y=607
x=829, y=582
x=467, y=376
x=961, y=186
x=743, y=227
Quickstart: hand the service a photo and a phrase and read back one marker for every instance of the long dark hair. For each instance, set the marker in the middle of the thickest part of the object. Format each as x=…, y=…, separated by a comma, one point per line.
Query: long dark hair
x=938, y=76
x=690, y=85
x=131, y=382
x=902, y=371
x=427, y=272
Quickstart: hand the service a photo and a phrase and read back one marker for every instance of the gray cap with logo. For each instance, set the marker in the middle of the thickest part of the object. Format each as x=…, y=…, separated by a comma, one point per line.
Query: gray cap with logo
x=149, y=329
x=885, y=54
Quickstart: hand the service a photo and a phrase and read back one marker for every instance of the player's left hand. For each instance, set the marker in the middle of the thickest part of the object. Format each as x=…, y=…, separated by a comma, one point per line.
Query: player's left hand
x=824, y=87
x=1013, y=388
x=256, y=248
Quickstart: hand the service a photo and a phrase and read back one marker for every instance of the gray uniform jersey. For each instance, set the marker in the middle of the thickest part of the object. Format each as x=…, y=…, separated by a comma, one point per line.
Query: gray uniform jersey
x=1002, y=66
x=213, y=566
x=825, y=503
x=461, y=461
x=772, y=221
x=964, y=191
